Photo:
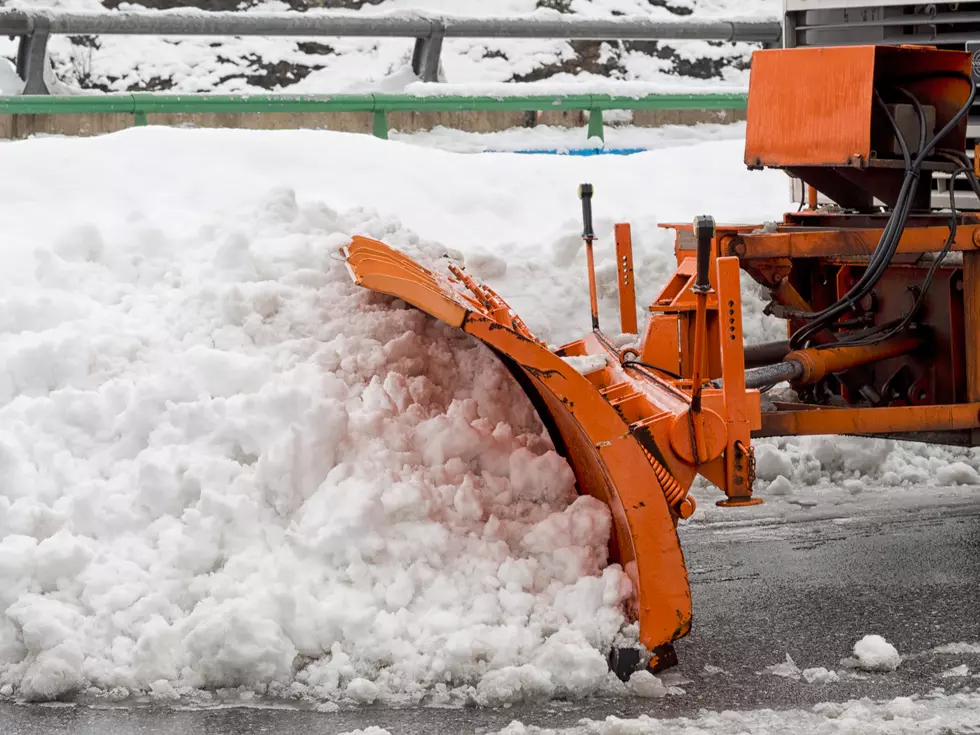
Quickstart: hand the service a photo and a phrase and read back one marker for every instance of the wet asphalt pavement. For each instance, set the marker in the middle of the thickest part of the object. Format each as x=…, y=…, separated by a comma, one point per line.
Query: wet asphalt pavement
x=761, y=589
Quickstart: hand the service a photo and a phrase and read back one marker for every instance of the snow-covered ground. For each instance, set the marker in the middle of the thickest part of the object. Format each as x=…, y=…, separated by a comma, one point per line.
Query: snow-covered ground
x=330, y=65
x=223, y=465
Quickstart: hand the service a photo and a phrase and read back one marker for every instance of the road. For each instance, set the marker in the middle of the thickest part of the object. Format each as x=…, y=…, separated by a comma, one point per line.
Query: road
x=761, y=589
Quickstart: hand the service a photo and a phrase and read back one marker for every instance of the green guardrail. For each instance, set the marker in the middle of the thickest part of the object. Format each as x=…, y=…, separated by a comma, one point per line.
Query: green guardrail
x=142, y=104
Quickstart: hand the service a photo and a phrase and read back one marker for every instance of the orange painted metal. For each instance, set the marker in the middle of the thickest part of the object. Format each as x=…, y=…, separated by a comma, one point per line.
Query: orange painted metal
x=593, y=297
x=797, y=116
x=794, y=243
x=971, y=312
x=661, y=343
x=882, y=420
x=815, y=107
x=818, y=363
x=811, y=196
x=624, y=271
x=741, y=415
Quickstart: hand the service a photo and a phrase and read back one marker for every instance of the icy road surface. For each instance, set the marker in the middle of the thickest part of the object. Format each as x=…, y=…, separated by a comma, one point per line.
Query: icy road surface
x=809, y=589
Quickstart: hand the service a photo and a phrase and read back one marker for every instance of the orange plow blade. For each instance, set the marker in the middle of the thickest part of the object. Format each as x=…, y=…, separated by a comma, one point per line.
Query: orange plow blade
x=615, y=434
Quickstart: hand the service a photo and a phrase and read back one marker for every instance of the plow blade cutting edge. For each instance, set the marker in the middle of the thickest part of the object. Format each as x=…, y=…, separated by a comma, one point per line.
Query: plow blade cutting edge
x=616, y=457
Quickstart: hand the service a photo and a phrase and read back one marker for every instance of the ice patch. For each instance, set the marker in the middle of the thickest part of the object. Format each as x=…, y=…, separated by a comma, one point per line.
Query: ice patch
x=957, y=648
x=787, y=669
x=820, y=675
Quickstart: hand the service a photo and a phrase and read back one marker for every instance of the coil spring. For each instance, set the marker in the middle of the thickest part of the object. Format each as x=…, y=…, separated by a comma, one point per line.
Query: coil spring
x=673, y=491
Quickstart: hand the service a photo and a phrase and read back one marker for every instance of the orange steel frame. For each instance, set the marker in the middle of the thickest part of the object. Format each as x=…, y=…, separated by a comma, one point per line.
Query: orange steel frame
x=769, y=258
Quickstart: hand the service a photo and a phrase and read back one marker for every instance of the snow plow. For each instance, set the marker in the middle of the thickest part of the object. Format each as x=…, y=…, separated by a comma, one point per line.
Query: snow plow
x=879, y=288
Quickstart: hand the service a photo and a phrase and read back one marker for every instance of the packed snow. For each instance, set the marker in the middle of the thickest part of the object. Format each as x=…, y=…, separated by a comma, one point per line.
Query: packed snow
x=224, y=466
x=336, y=65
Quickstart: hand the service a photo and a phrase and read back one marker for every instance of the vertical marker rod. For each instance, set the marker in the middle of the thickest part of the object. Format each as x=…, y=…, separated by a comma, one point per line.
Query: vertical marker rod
x=624, y=269
x=585, y=192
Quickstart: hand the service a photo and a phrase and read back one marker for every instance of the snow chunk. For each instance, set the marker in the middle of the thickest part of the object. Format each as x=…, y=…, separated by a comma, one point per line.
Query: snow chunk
x=771, y=463
x=645, y=684
x=874, y=653
x=957, y=473
x=780, y=486
x=514, y=684
x=362, y=691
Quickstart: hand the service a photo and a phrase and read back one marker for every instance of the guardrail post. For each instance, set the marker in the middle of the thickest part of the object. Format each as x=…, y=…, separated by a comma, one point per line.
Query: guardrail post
x=381, y=124
x=32, y=56
x=425, y=57
x=596, y=128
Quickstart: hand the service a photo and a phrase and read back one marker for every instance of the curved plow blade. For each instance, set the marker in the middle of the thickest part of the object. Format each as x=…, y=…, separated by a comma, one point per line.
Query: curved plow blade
x=619, y=454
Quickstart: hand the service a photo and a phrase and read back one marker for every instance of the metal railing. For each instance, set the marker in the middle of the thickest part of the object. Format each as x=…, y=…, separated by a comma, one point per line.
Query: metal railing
x=35, y=27
x=139, y=105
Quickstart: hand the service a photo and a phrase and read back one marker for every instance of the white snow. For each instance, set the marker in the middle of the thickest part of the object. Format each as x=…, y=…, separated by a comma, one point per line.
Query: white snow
x=586, y=364
x=874, y=653
x=10, y=83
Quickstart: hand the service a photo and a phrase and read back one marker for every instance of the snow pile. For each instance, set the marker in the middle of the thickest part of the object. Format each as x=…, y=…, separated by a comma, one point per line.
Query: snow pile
x=874, y=653
x=331, y=65
x=854, y=463
x=226, y=466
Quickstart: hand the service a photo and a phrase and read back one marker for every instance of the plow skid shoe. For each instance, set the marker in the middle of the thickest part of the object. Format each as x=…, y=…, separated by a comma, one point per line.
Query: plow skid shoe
x=615, y=455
